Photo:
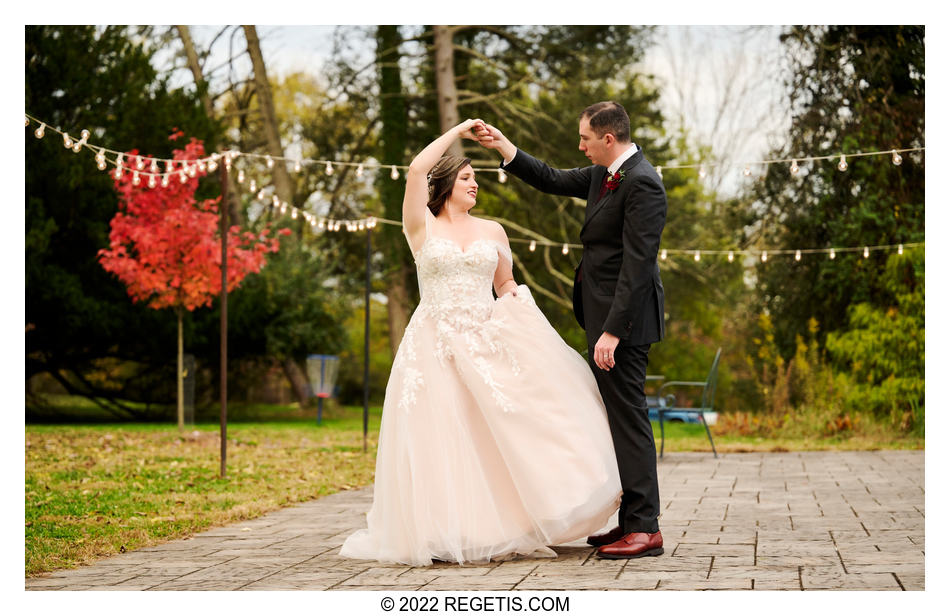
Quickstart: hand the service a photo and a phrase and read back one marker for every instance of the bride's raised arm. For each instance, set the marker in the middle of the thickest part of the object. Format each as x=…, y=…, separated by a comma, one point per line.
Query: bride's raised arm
x=417, y=186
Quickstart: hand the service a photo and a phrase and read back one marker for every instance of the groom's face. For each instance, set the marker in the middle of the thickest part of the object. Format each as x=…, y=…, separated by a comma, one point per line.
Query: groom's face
x=593, y=147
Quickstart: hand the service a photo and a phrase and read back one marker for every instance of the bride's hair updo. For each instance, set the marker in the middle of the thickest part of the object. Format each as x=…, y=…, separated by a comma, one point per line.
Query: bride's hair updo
x=442, y=180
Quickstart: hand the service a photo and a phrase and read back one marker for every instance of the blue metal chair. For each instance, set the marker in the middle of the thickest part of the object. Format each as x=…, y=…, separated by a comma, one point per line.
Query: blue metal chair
x=664, y=403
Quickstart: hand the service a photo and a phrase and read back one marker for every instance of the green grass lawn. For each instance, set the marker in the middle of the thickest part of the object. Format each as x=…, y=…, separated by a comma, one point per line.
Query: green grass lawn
x=96, y=489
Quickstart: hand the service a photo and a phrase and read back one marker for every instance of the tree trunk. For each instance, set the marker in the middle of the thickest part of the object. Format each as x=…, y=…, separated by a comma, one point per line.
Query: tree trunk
x=397, y=305
x=181, y=369
x=184, y=33
x=445, y=82
x=394, y=138
x=298, y=380
x=282, y=183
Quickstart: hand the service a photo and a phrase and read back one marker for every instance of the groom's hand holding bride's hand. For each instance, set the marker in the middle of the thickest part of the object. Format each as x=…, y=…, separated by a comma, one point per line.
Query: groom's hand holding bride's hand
x=492, y=138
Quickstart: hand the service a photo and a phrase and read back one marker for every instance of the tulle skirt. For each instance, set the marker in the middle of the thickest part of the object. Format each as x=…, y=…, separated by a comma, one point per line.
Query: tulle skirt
x=494, y=442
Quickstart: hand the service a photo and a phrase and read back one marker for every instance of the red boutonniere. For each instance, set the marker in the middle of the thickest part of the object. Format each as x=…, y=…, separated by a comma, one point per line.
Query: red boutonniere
x=613, y=181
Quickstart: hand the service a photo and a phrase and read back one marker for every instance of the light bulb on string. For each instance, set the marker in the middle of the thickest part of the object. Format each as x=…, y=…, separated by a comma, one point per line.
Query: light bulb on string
x=252, y=187
x=900, y=249
x=748, y=171
x=182, y=176
x=565, y=249
x=362, y=225
x=135, y=178
x=169, y=166
x=200, y=165
x=798, y=255
x=294, y=214
x=152, y=182
x=297, y=166
x=193, y=170
x=359, y=170
x=213, y=163
x=895, y=157
x=101, y=163
x=165, y=181
x=702, y=171
x=321, y=224
x=283, y=208
x=154, y=166
x=663, y=254
x=39, y=132
x=270, y=162
x=67, y=141
x=842, y=164
x=276, y=201
x=794, y=167
x=313, y=222
x=502, y=176
x=260, y=195
x=532, y=246
x=118, y=171
x=139, y=163
x=329, y=168
x=696, y=256
x=765, y=256
x=831, y=254
x=83, y=137
x=240, y=177
x=731, y=256
x=866, y=252
x=394, y=174
x=119, y=159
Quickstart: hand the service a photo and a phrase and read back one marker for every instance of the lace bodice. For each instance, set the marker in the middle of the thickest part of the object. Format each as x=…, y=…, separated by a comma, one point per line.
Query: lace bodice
x=455, y=287
x=456, y=283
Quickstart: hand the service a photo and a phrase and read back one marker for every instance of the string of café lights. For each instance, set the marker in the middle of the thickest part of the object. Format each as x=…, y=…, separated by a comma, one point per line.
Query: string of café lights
x=186, y=169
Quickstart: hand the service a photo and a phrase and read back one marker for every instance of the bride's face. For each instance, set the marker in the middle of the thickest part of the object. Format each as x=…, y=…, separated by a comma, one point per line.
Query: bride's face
x=466, y=188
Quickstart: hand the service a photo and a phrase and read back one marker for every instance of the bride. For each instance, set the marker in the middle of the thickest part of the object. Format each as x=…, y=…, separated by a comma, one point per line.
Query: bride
x=494, y=438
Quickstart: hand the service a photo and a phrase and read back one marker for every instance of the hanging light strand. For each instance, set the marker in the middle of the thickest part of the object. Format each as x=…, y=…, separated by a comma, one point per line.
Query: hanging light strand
x=270, y=161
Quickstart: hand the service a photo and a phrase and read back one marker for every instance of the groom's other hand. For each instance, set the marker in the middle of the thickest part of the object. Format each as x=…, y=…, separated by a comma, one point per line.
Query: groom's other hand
x=604, y=351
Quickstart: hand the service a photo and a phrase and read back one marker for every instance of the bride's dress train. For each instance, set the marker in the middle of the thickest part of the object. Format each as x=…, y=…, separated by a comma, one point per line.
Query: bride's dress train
x=494, y=438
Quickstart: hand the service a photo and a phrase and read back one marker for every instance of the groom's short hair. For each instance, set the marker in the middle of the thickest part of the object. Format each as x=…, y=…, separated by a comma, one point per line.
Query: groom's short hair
x=608, y=117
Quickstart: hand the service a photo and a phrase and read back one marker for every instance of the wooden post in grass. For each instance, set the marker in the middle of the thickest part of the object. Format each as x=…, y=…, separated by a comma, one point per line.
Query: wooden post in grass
x=223, y=210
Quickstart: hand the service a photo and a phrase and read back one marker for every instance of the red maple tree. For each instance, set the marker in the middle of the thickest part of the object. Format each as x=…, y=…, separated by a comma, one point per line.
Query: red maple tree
x=166, y=247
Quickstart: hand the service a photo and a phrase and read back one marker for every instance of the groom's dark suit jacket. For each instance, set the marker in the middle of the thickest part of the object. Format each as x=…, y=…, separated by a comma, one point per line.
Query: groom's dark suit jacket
x=617, y=285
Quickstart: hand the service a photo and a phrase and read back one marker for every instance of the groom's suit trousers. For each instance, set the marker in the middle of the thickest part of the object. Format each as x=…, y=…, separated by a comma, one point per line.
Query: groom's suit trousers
x=624, y=398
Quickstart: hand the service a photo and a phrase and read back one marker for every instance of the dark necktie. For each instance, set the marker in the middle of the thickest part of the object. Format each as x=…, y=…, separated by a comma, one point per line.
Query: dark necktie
x=603, y=187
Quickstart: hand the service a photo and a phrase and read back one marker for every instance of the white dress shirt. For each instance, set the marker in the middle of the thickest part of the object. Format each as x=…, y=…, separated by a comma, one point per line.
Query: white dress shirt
x=612, y=169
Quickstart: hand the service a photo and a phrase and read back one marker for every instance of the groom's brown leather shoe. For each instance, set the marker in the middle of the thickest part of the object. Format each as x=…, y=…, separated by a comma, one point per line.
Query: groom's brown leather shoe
x=606, y=538
x=634, y=545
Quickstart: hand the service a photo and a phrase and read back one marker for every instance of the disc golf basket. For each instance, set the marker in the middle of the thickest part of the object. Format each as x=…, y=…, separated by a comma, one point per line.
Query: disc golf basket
x=322, y=371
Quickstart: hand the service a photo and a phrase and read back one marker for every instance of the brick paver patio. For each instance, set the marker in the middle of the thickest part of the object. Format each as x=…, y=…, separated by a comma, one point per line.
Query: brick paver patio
x=774, y=521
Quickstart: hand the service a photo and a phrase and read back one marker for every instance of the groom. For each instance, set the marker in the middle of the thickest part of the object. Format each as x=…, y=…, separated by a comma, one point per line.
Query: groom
x=618, y=298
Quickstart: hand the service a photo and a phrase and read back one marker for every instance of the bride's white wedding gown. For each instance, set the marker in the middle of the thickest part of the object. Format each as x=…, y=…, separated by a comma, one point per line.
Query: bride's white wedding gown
x=494, y=438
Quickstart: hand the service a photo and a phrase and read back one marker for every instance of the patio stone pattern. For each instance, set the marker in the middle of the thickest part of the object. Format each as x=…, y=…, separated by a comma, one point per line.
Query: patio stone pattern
x=744, y=521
